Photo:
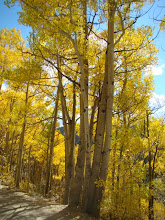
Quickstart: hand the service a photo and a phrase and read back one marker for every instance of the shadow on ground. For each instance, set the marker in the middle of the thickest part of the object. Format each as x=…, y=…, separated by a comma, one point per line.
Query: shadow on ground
x=20, y=206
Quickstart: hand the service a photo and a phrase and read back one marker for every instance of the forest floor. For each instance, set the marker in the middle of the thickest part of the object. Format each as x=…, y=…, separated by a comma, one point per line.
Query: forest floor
x=16, y=205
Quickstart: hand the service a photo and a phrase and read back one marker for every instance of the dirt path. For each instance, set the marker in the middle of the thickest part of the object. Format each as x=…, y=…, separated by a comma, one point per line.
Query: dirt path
x=20, y=206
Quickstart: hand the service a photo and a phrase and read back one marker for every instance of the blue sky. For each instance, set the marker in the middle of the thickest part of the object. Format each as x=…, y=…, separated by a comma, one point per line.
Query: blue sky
x=156, y=12
x=9, y=16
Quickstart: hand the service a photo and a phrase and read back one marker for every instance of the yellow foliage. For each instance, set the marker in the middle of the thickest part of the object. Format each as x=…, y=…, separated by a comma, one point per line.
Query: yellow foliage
x=100, y=183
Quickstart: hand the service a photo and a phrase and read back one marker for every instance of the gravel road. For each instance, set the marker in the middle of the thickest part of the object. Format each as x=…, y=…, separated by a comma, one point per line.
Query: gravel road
x=20, y=206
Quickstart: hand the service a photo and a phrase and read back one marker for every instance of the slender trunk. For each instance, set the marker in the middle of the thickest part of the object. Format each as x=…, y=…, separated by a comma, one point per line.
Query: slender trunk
x=67, y=153
x=114, y=156
x=92, y=119
x=69, y=130
x=7, y=140
x=28, y=173
x=118, y=168
x=121, y=151
x=47, y=158
x=40, y=188
x=51, y=148
x=85, y=100
x=11, y=151
x=71, y=159
x=113, y=167
x=77, y=182
x=20, y=155
x=67, y=126
x=21, y=144
x=72, y=137
x=151, y=198
x=83, y=166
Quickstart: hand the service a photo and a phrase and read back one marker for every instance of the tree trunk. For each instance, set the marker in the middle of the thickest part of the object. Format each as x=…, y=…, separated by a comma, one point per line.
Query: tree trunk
x=69, y=130
x=28, y=172
x=11, y=152
x=7, y=140
x=51, y=148
x=92, y=120
x=151, y=197
x=21, y=144
x=70, y=169
x=83, y=166
x=113, y=167
x=66, y=124
x=72, y=137
x=101, y=174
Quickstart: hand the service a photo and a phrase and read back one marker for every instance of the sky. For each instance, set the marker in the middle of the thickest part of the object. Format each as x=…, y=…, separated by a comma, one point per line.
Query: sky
x=157, y=12
x=9, y=17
